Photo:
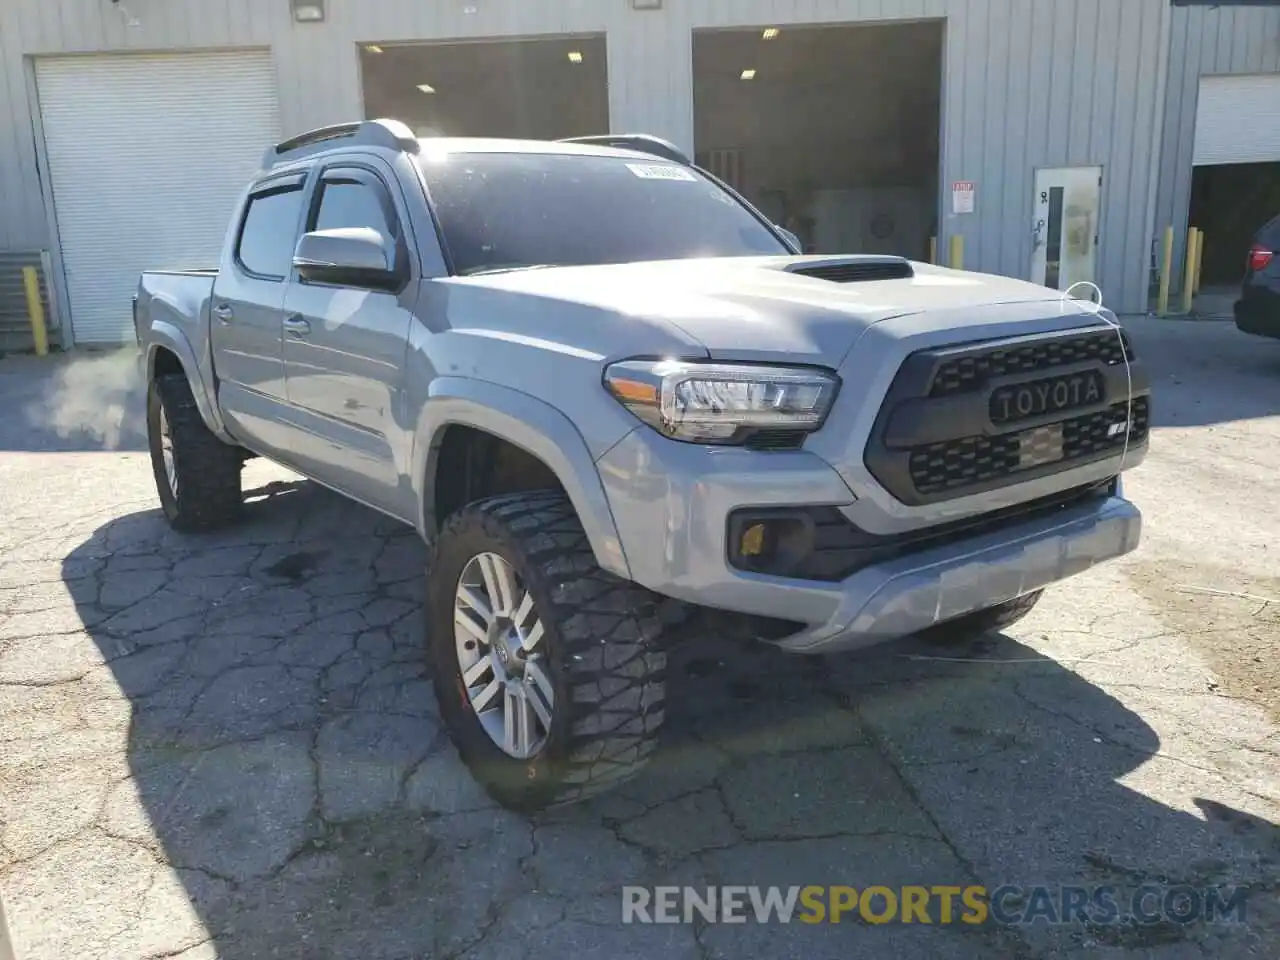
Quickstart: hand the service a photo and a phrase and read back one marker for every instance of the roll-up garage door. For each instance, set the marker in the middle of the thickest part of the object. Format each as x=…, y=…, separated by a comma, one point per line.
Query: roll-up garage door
x=1238, y=119
x=147, y=156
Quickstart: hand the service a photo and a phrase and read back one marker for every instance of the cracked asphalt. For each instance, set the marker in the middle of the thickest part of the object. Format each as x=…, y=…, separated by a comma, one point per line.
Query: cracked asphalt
x=226, y=745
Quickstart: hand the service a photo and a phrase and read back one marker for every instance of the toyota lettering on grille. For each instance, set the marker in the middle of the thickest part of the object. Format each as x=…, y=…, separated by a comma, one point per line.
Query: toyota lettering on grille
x=1026, y=401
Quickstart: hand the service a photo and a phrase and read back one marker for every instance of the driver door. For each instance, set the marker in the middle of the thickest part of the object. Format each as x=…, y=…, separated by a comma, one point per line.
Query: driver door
x=345, y=347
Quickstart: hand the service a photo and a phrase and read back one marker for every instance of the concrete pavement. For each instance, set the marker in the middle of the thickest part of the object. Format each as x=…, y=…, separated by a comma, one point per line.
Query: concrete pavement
x=227, y=746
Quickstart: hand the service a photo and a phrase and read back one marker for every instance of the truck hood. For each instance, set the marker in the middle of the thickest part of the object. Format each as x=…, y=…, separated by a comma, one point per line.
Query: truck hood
x=759, y=308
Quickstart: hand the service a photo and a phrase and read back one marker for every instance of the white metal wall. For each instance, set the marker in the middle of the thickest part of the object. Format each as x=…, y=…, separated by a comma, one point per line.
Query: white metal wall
x=1029, y=83
x=1205, y=41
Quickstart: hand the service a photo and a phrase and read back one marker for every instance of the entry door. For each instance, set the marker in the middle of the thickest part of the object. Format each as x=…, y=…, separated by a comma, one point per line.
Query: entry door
x=344, y=350
x=1067, y=207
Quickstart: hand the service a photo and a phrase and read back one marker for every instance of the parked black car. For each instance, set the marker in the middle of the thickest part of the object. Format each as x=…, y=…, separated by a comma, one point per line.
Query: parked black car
x=1258, y=309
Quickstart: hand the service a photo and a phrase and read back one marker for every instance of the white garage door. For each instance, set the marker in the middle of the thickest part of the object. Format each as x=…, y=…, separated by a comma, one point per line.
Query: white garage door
x=147, y=155
x=1238, y=119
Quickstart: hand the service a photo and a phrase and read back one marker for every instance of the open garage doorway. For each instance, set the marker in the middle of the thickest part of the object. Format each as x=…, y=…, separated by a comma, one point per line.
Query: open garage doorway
x=1230, y=202
x=543, y=89
x=832, y=131
x=1235, y=180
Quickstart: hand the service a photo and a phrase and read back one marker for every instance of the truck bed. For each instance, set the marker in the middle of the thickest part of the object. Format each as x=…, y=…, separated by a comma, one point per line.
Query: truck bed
x=177, y=297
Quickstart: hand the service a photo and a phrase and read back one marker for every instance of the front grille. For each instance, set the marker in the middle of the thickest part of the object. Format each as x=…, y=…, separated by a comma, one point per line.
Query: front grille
x=952, y=465
x=969, y=374
x=776, y=440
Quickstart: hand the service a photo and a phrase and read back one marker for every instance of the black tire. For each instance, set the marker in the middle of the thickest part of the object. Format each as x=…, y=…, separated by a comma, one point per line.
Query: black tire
x=604, y=653
x=988, y=620
x=208, y=493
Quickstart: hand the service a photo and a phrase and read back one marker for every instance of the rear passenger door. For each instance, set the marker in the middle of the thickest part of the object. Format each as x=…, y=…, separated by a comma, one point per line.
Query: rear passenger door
x=345, y=346
x=246, y=313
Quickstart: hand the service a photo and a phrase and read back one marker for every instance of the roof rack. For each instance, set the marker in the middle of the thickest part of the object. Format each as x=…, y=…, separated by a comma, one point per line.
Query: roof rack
x=391, y=134
x=640, y=142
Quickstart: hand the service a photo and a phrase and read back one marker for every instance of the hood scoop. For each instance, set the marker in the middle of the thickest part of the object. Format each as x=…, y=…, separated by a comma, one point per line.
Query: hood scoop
x=856, y=269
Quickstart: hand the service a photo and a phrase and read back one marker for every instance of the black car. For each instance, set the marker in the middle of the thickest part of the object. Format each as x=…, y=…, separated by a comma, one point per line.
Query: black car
x=1258, y=309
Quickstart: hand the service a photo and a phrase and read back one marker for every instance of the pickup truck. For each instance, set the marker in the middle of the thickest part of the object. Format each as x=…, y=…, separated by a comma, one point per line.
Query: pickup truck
x=619, y=406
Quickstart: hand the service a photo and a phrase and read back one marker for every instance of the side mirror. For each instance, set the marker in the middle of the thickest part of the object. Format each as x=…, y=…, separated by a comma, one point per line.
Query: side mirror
x=351, y=257
x=791, y=238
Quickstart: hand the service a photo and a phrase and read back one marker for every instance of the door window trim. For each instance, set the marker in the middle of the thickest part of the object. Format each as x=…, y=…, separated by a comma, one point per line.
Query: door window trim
x=354, y=171
x=295, y=182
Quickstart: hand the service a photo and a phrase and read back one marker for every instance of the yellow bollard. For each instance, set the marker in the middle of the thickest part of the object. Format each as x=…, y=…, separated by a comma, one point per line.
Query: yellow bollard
x=1166, y=267
x=1200, y=261
x=933, y=249
x=957, y=251
x=35, y=310
x=1189, y=269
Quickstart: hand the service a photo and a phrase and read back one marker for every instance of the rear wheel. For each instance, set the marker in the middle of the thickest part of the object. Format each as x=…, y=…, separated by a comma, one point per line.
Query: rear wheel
x=988, y=620
x=548, y=670
x=197, y=475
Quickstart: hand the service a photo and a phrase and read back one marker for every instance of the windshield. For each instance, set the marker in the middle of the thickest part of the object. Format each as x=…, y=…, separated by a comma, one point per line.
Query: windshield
x=512, y=210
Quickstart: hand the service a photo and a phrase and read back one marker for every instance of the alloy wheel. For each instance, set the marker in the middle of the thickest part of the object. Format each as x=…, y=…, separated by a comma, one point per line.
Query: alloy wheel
x=502, y=656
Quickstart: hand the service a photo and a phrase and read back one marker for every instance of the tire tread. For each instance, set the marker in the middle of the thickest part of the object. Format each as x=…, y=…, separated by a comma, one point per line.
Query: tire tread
x=209, y=483
x=610, y=641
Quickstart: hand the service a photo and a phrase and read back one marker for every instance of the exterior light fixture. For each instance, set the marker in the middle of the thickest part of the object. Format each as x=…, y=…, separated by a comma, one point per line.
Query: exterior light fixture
x=749, y=74
x=575, y=56
x=426, y=88
x=308, y=11
x=373, y=48
x=770, y=33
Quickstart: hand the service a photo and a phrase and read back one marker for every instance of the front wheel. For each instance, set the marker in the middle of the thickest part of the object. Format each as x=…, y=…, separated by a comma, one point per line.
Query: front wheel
x=548, y=670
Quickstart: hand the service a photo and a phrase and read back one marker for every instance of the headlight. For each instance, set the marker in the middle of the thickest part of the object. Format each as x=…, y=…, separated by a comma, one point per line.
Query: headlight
x=718, y=402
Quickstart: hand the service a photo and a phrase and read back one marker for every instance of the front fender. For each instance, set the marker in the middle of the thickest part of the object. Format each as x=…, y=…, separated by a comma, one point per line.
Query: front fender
x=162, y=334
x=530, y=424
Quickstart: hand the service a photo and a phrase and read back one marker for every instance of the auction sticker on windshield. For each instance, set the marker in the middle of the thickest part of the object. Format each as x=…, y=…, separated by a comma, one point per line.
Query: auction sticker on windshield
x=661, y=171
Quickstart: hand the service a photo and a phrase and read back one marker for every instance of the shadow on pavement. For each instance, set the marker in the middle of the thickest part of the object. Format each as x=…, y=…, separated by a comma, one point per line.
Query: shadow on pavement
x=286, y=761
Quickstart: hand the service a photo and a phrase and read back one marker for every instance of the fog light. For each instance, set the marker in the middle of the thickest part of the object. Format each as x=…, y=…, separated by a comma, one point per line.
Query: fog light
x=753, y=540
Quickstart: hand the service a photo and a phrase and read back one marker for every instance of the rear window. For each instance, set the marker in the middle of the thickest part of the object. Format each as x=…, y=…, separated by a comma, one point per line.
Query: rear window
x=509, y=210
x=269, y=232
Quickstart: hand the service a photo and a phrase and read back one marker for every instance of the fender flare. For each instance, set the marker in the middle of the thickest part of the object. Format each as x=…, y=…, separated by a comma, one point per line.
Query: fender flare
x=537, y=428
x=163, y=334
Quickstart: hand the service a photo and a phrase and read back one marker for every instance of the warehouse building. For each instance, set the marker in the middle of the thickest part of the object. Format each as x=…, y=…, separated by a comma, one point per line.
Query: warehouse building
x=1052, y=139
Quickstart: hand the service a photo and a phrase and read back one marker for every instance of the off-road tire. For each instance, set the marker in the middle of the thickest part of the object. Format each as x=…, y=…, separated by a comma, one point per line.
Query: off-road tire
x=209, y=493
x=604, y=653
x=988, y=620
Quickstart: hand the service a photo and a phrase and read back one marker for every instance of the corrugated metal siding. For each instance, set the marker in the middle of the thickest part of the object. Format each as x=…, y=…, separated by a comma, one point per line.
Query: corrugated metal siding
x=15, y=321
x=1238, y=119
x=1030, y=83
x=1205, y=41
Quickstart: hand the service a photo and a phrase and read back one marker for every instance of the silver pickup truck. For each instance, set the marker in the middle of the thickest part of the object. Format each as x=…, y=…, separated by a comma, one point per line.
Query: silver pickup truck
x=615, y=402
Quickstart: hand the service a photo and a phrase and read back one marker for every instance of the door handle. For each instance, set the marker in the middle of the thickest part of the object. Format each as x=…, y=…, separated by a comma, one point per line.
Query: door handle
x=223, y=313
x=297, y=327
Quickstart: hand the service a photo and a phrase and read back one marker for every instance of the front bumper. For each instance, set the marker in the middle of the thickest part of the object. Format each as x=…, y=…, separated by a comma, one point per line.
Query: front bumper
x=907, y=595
x=672, y=501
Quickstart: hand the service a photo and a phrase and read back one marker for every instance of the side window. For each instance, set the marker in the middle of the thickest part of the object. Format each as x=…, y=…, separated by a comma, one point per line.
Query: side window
x=353, y=203
x=269, y=232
